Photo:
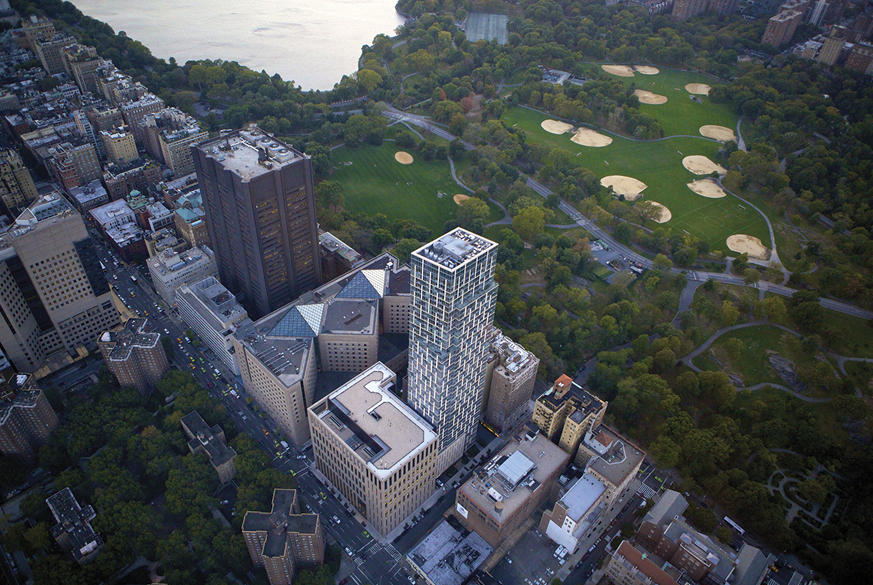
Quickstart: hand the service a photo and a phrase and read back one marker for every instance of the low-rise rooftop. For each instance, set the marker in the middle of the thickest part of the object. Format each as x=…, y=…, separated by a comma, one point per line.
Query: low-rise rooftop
x=617, y=457
x=701, y=547
x=350, y=316
x=74, y=522
x=634, y=559
x=380, y=429
x=581, y=498
x=671, y=505
x=514, y=474
x=20, y=391
x=208, y=438
x=169, y=260
x=332, y=244
x=106, y=214
x=93, y=191
x=449, y=557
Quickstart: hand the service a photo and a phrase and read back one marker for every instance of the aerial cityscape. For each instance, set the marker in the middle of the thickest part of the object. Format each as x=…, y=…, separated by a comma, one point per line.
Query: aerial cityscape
x=544, y=292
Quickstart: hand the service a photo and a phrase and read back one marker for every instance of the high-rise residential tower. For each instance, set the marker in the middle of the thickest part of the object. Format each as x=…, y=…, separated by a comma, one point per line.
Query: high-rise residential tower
x=260, y=212
x=452, y=307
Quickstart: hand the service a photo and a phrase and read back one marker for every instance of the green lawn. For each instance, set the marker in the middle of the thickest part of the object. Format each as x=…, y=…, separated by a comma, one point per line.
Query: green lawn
x=375, y=183
x=681, y=115
x=753, y=362
x=658, y=165
x=855, y=337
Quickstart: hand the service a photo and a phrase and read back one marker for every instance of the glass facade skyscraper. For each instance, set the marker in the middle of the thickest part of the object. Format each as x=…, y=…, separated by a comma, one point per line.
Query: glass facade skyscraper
x=452, y=308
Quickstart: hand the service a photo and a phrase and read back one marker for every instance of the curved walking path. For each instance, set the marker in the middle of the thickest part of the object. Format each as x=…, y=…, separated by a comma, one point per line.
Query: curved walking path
x=505, y=220
x=686, y=297
x=842, y=359
x=706, y=344
x=458, y=181
x=687, y=360
x=774, y=255
x=741, y=145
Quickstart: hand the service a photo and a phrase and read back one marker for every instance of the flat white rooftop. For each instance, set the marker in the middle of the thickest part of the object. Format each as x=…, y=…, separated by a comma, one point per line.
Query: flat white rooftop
x=370, y=411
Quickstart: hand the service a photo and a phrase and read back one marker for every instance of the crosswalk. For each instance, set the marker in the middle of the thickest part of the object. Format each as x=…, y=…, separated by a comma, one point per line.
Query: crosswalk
x=394, y=554
x=646, y=492
x=374, y=548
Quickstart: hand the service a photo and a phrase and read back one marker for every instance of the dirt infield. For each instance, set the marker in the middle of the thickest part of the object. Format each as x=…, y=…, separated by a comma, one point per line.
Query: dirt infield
x=460, y=198
x=620, y=70
x=665, y=213
x=588, y=137
x=707, y=188
x=647, y=97
x=646, y=70
x=698, y=88
x=403, y=158
x=720, y=133
x=556, y=126
x=700, y=165
x=748, y=244
x=628, y=186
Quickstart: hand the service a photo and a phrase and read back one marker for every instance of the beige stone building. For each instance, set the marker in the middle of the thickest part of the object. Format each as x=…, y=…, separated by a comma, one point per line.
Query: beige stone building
x=611, y=458
x=191, y=226
x=119, y=145
x=349, y=336
x=831, y=50
x=283, y=539
x=566, y=412
x=374, y=449
x=135, y=112
x=511, y=487
x=52, y=288
x=781, y=28
x=211, y=441
x=49, y=50
x=171, y=269
x=629, y=566
x=34, y=27
x=82, y=62
x=16, y=184
x=169, y=135
x=509, y=381
x=336, y=325
x=133, y=355
x=550, y=410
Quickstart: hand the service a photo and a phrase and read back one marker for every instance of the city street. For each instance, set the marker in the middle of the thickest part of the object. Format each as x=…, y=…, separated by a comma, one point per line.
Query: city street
x=372, y=562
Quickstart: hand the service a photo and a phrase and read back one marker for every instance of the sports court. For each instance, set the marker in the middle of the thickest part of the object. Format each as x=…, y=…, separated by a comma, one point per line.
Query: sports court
x=484, y=26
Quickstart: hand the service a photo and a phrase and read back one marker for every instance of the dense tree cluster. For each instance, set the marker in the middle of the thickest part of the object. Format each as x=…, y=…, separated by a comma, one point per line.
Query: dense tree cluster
x=129, y=458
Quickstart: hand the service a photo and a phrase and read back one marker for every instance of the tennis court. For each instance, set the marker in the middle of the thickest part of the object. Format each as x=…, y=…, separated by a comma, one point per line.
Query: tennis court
x=484, y=26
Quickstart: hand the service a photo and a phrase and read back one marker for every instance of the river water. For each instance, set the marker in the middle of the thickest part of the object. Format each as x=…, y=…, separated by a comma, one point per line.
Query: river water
x=312, y=42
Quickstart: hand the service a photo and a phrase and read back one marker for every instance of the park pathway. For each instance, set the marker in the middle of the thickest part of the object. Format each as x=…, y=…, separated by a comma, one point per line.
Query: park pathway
x=686, y=298
x=740, y=143
x=458, y=181
x=687, y=360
